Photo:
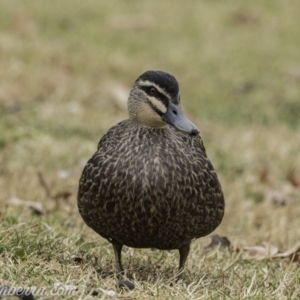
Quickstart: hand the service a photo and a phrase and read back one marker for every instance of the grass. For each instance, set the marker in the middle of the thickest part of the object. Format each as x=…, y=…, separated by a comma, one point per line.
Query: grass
x=238, y=68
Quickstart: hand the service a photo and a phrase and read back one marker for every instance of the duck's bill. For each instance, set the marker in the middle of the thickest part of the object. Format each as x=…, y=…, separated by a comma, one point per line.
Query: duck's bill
x=175, y=117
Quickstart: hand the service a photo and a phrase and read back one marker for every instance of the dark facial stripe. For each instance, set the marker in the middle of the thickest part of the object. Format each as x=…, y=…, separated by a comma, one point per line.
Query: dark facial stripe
x=159, y=96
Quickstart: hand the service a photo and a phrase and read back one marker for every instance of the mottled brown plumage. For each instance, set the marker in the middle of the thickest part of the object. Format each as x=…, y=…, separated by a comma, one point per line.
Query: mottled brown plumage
x=151, y=186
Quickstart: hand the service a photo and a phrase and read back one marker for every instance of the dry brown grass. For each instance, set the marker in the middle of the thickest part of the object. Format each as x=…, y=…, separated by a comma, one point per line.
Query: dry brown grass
x=238, y=68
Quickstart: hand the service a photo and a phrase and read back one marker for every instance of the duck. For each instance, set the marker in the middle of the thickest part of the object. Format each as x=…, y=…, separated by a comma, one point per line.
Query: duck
x=150, y=183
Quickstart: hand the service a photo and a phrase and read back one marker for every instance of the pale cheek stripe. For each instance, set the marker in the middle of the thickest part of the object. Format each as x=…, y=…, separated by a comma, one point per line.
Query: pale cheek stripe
x=159, y=105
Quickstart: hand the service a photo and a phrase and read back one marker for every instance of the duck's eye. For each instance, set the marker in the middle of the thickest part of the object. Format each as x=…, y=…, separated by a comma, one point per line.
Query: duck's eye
x=153, y=91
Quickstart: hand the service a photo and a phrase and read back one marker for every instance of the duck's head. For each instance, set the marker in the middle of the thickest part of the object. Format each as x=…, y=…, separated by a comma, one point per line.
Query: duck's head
x=155, y=101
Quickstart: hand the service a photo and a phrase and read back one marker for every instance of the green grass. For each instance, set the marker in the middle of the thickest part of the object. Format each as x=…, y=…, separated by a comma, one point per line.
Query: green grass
x=238, y=67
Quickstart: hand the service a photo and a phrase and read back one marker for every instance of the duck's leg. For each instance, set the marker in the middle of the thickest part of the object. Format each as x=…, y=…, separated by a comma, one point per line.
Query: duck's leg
x=122, y=283
x=183, y=252
x=117, y=250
